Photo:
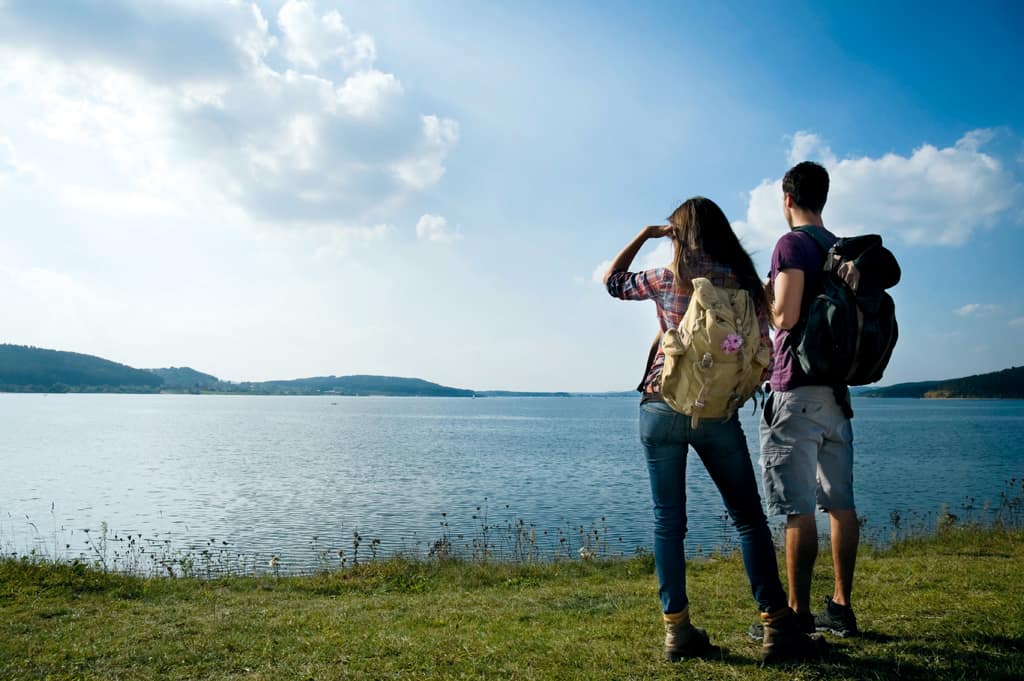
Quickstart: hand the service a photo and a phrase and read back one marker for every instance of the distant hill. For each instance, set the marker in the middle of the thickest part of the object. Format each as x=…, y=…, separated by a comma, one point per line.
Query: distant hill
x=30, y=369
x=185, y=377
x=512, y=393
x=1005, y=384
x=356, y=385
x=25, y=368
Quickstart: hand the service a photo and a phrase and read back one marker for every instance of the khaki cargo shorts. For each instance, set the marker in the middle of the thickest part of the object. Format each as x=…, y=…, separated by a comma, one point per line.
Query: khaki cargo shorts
x=806, y=452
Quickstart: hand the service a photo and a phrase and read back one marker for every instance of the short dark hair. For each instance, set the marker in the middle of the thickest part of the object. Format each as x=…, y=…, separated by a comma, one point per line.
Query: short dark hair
x=807, y=183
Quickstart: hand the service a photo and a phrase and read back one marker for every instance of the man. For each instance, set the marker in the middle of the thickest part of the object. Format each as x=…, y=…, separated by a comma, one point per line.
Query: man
x=806, y=436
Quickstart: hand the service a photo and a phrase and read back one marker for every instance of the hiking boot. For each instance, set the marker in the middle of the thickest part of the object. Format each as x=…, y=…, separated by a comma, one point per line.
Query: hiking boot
x=786, y=641
x=683, y=640
x=837, y=619
x=805, y=619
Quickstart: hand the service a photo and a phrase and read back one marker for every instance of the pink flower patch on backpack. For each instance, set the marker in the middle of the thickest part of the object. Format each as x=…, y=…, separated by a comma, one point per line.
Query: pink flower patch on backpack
x=732, y=344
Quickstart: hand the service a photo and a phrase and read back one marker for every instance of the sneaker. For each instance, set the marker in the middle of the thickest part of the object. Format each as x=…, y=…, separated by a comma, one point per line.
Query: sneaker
x=806, y=621
x=786, y=641
x=837, y=619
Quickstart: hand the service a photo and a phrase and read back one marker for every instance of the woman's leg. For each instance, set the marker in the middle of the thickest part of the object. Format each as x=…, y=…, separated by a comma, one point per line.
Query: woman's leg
x=662, y=433
x=723, y=449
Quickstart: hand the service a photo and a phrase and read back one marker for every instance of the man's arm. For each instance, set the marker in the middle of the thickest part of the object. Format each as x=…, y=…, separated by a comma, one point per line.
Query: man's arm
x=625, y=257
x=785, y=298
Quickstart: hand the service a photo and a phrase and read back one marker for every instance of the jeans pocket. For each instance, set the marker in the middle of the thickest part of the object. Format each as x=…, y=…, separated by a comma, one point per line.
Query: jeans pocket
x=655, y=424
x=657, y=407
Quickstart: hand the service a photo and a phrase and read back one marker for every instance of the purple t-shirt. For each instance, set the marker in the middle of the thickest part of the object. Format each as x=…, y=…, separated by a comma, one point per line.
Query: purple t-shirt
x=796, y=251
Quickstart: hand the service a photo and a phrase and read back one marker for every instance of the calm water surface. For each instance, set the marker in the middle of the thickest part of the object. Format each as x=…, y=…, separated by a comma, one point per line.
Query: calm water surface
x=268, y=474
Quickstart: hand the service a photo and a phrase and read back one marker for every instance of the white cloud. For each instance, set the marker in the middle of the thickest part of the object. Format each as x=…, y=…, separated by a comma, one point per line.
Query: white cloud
x=976, y=309
x=115, y=204
x=660, y=256
x=597, y=276
x=364, y=93
x=808, y=146
x=1017, y=323
x=933, y=196
x=210, y=105
x=335, y=243
x=435, y=228
x=10, y=167
x=311, y=40
x=46, y=303
x=8, y=161
x=169, y=42
x=426, y=166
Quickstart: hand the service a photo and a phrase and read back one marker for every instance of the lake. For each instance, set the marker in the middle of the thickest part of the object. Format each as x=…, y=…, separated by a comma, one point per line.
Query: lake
x=295, y=477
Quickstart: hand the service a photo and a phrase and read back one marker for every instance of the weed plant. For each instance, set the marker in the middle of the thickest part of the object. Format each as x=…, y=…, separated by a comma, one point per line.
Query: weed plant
x=507, y=540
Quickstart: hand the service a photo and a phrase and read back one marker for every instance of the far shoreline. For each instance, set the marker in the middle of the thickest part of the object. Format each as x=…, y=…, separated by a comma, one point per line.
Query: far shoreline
x=482, y=395
x=332, y=395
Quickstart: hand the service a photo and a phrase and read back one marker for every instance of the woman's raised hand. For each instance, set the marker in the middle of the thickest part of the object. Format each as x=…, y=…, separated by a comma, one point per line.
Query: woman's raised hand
x=658, y=231
x=625, y=257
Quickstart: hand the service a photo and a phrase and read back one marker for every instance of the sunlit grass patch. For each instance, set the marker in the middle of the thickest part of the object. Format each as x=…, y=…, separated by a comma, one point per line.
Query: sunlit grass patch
x=949, y=606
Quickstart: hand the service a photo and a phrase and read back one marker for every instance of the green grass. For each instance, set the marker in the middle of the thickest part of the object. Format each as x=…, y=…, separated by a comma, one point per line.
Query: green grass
x=945, y=607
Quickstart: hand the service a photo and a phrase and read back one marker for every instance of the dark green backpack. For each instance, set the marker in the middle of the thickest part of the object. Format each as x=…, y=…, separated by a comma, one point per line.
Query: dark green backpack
x=850, y=330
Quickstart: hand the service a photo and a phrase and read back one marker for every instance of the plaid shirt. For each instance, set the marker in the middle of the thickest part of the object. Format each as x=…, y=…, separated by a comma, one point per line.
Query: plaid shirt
x=672, y=301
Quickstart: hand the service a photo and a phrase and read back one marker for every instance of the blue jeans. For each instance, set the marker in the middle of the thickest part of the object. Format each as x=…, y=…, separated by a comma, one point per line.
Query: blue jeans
x=722, y=447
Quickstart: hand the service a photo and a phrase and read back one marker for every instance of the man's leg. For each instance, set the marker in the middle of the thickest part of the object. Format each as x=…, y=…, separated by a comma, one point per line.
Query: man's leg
x=791, y=435
x=845, y=540
x=801, y=552
x=835, y=493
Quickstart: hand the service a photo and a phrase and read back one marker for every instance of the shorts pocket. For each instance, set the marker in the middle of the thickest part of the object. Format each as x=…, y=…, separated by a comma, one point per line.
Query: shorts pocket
x=774, y=457
x=789, y=484
x=768, y=410
x=791, y=408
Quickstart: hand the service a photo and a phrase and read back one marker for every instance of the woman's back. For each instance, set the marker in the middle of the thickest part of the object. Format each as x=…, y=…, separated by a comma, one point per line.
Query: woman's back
x=671, y=300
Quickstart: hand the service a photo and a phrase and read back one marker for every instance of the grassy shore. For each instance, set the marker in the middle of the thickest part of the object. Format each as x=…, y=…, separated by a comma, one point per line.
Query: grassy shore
x=946, y=607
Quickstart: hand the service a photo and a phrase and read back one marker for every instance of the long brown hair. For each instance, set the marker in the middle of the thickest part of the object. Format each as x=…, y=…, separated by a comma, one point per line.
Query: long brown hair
x=700, y=226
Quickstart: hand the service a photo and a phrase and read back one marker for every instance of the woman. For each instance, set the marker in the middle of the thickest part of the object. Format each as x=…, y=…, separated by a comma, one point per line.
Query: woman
x=705, y=246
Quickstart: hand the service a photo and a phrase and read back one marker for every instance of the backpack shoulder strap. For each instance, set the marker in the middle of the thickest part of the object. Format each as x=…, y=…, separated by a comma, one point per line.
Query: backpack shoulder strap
x=816, y=233
x=650, y=360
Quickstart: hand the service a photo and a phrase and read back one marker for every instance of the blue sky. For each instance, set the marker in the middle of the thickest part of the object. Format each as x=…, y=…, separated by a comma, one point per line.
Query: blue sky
x=282, y=189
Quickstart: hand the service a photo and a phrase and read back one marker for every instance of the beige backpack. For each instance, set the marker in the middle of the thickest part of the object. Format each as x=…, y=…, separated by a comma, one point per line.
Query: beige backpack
x=715, y=359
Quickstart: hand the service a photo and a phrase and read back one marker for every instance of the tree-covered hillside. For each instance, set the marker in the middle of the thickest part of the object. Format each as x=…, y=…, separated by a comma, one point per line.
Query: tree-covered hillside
x=29, y=369
x=357, y=385
x=1005, y=384
x=187, y=378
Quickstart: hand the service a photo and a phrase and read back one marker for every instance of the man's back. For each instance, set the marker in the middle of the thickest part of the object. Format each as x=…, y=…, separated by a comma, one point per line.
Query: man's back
x=806, y=435
x=799, y=251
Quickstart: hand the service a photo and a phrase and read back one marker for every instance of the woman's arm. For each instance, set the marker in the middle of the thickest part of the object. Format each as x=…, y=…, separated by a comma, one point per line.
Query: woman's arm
x=625, y=257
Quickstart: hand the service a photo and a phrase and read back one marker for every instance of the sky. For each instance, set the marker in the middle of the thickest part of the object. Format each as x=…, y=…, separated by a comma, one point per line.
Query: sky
x=270, y=190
